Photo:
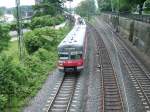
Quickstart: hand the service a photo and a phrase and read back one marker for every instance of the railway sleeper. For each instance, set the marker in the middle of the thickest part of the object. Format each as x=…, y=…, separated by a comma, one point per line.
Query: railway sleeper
x=112, y=96
x=63, y=95
x=57, y=110
x=112, y=93
x=61, y=102
x=117, y=108
x=111, y=90
x=112, y=100
x=113, y=103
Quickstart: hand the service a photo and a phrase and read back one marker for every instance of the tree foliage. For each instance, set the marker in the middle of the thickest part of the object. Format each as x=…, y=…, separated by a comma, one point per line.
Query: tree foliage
x=105, y=5
x=2, y=11
x=137, y=2
x=48, y=20
x=13, y=78
x=41, y=38
x=86, y=8
x=121, y=5
x=4, y=36
x=48, y=7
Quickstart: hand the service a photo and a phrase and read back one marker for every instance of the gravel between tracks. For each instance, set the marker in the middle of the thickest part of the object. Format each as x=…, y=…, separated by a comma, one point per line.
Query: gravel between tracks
x=93, y=82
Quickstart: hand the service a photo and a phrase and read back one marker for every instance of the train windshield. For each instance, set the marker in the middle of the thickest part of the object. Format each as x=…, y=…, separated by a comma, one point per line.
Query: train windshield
x=63, y=56
x=75, y=56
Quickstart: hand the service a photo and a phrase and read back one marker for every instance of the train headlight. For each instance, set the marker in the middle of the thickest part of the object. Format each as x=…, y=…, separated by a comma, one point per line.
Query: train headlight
x=60, y=63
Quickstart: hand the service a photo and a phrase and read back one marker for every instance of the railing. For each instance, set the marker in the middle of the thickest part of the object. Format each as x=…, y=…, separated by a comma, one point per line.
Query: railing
x=143, y=18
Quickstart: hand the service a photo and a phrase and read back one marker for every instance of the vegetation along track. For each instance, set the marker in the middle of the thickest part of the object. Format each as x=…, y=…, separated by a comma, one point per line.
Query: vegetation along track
x=111, y=98
x=62, y=97
x=138, y=74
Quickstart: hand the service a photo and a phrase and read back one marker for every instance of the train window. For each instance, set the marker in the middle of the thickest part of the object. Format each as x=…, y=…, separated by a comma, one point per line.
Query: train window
x=64, y=56
x=76, y=56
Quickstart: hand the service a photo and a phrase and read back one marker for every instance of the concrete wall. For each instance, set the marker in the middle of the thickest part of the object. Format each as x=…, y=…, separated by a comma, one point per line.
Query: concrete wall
x=135, y=31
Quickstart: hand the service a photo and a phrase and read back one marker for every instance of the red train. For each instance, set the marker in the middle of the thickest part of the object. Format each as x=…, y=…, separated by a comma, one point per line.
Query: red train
x=72, y=50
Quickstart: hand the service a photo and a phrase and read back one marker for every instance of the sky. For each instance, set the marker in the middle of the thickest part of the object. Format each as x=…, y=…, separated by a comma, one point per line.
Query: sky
x=75, y=3
x=11, y=3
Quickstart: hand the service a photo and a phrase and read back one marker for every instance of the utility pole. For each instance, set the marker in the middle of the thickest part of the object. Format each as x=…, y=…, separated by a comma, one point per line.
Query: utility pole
x=88, y=13
x=118, y=15
x=112, y=7
x=19, y=31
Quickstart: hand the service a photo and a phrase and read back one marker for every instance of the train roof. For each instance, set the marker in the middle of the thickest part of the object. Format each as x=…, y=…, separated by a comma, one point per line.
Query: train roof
x=75, y=37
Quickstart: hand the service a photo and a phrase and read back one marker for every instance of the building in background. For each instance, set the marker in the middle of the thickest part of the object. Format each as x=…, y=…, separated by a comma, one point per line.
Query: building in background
x=8, y=18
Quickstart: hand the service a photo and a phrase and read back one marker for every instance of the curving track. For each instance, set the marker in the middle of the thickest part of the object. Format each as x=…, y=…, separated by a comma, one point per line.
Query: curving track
x=111, y=98
x=62, y=97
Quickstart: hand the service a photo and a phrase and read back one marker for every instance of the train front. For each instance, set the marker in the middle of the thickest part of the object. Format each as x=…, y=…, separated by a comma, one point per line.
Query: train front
x=71, y=59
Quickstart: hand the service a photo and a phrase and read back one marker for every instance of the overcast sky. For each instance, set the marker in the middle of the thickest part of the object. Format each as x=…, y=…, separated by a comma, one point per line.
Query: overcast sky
x=75, y=3
x=11, y=3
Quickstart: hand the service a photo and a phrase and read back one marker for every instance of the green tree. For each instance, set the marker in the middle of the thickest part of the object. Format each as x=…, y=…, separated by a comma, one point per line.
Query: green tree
x=1, y=12
x=104, y=5
x=86, y=8
x=48, y=7
x=137, y=2
x=40, y=38
x=122, y=5
x=147, y=6
x=42, y=21
x=115, y=5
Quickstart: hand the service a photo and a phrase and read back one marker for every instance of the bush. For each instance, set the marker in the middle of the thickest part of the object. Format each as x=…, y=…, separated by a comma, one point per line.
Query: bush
x=38, y=22
x=40, y=38
x=4, y=37
x=43, y=55
x=13, y=80
x=13, y=26
x=3, y=101
x=47, y=57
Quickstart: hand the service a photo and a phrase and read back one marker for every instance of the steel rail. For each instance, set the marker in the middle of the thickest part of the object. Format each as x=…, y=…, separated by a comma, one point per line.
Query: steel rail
x=125, y=53
x=104, y=55
x=50, y=106
x=59, y=90
x=125, y=61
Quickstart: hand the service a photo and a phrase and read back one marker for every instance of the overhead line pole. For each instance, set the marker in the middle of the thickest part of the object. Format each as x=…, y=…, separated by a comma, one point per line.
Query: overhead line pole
x=118, y=15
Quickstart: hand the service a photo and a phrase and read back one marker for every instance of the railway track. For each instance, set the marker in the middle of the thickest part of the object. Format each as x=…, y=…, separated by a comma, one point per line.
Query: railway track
x=61, y=99
x=138, y=74
x=111, y=98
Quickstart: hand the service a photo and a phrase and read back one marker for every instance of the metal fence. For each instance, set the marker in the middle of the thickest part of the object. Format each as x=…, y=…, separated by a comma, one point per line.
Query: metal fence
x=143, y=18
